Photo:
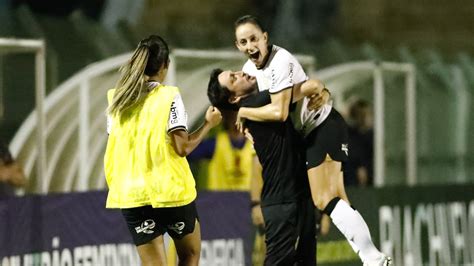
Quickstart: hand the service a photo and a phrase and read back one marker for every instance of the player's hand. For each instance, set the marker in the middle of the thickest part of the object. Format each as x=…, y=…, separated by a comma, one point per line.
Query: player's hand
x=239, y=123
x=316, y=101
x=213, y=116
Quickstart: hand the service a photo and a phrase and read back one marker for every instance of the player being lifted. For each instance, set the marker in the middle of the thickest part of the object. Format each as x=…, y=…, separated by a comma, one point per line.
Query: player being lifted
x=324, y=130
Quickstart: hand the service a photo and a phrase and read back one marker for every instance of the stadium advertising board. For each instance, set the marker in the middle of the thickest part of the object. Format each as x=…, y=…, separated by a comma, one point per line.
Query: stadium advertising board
x=416, y=226
x=76, y=229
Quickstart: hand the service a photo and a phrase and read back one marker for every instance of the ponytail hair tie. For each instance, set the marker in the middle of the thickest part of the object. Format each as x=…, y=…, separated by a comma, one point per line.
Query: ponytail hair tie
x=144, y=43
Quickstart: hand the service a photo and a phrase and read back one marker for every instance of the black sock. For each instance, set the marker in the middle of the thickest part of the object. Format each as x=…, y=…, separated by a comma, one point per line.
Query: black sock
x=331, y=205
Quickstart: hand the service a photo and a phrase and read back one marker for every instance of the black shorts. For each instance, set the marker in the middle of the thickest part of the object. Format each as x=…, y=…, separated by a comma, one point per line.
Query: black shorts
x=330, y=138
x=146, y=223
x=290, y=233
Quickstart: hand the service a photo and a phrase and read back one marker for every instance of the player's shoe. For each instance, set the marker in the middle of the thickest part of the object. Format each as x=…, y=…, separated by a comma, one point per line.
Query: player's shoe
x=384, y=260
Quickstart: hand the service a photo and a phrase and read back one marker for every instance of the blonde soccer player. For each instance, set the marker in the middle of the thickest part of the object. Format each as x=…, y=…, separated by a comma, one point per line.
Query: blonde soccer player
x=147, y=173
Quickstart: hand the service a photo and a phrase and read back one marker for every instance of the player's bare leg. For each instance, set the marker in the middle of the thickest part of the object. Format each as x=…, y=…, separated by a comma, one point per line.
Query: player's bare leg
x=153, y=252
x=328, y=193
x=189, y=247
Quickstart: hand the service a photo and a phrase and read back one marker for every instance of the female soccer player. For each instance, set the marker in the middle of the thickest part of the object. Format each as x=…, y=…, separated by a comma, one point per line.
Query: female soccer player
x=147, y=173
x=325, y=132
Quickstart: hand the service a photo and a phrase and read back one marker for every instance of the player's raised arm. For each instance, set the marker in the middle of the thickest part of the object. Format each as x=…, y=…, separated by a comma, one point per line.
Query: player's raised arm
x=184, y=143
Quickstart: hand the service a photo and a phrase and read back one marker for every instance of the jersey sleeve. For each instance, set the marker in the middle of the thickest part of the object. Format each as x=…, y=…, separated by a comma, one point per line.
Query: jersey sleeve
x=109, y=124
x=281, y=73
x=286, y=71
x=178, y=118
x=248, y=68
x=110, y=96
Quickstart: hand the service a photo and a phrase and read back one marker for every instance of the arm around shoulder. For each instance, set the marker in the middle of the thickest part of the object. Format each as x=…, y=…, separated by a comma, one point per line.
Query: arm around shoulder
x=308, y=88
x=277, y=110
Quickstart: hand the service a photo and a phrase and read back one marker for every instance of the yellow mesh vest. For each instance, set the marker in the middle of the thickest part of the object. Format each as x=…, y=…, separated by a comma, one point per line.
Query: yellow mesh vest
x=230, y=168
x=141, y=166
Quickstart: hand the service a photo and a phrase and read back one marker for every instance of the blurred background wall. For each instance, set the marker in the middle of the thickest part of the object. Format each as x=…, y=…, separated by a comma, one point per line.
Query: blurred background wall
x=442, y=24
x=306, y=26
x=435, y=36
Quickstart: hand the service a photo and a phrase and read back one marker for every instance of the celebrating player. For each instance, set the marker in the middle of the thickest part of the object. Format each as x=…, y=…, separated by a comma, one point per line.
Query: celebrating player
x=325, y=132
x=147, y=173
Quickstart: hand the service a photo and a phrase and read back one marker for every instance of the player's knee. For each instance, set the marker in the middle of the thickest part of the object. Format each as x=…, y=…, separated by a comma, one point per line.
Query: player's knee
x=319, y=204
x=189, y=259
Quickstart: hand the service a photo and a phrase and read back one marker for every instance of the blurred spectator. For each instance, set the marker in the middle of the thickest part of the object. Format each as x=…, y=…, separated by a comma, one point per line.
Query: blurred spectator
x=361, y=138
x=230, y=155
x=11, y=174
x=91, y=8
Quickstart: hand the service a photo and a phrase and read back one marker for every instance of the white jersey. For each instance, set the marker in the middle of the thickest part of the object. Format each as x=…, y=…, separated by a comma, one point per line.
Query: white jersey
x=305, y=120
x=282, y=71
x=178, y=118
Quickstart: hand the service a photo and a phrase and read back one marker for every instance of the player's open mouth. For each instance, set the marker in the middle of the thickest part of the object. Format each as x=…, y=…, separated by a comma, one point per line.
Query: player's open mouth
x=254, y=55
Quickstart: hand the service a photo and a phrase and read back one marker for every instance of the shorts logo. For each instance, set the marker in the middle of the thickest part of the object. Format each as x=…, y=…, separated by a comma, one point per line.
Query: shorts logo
x=177, y=227
x=146, y=227
x=345, y=148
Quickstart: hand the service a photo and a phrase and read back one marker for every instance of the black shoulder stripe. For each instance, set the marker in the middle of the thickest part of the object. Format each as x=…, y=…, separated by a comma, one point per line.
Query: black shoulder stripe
x=177, y=128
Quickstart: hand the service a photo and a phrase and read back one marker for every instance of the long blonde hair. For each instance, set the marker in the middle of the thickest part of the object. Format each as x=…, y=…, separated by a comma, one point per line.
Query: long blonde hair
x=151, y=54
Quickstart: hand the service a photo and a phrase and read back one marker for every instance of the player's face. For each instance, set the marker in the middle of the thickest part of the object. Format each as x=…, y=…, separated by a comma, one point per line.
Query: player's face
x=238, y=83
x=250, y=40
